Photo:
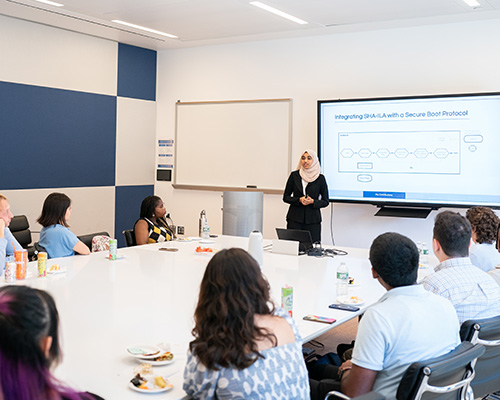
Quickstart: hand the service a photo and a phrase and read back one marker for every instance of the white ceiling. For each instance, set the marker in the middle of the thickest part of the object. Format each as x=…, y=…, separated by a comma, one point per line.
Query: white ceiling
x=204, y=22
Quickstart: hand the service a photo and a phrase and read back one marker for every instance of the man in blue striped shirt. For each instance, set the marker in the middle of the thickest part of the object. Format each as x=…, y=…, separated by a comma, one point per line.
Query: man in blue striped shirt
x=473, y=293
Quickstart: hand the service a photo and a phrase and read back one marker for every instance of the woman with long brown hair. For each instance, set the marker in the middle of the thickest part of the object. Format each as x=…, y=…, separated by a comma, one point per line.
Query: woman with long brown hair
x=244, y=348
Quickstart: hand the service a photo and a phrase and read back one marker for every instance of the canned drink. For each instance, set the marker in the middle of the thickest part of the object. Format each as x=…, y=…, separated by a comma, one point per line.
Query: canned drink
x=287, y=299
x=113, y=244
x=42, y=264
x=21, y=257
x=10, y=271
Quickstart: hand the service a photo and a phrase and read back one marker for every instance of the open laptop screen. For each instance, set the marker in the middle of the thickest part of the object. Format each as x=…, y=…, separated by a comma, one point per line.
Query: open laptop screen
x=303, y=237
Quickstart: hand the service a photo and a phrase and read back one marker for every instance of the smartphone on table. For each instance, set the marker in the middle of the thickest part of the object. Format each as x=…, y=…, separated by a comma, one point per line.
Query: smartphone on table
x=344, y=307
x=317, y=318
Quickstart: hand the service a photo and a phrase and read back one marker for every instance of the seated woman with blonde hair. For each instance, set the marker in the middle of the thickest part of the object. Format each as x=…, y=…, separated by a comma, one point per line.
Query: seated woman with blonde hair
x=244, y=348
x=485, y=227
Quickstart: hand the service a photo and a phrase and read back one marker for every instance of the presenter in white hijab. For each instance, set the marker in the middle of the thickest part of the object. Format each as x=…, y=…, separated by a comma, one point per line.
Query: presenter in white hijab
x=307, y=192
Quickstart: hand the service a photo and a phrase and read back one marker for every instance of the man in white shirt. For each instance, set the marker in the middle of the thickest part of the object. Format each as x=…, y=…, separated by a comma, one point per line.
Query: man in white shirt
x=473, y=292
x=406, y=325
x=7, y=240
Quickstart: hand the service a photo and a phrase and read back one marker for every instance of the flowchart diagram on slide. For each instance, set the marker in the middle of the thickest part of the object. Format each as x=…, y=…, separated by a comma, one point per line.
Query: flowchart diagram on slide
x=419, y=152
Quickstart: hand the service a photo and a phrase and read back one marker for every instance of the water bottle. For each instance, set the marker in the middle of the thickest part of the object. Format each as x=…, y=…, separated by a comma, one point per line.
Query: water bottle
x=425, y=256
x=342, y=280
x=205, y=234
x=255, y=247
x=201, y=222
x=419, y=248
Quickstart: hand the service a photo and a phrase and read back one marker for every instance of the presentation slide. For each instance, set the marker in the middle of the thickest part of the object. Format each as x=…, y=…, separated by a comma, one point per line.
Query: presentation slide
x=436, y=150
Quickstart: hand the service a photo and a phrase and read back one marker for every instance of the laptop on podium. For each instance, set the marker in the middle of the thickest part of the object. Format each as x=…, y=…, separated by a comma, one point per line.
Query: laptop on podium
x=303, y=237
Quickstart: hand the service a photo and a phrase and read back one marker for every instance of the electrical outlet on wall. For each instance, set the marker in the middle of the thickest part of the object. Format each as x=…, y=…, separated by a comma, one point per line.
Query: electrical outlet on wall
x=180, y=230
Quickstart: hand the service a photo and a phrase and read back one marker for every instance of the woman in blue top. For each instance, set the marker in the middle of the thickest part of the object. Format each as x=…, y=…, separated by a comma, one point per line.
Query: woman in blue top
x=55, y=235
x=244, y=348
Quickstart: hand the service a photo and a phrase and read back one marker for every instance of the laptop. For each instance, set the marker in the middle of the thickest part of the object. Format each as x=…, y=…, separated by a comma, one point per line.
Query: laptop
x=303, y=237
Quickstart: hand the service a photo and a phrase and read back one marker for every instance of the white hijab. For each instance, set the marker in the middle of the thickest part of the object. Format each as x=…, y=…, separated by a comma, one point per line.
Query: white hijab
x=312, y=173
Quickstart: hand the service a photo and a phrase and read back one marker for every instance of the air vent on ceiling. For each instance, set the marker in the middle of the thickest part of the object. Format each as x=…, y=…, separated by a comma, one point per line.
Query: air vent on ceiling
x=82, y=18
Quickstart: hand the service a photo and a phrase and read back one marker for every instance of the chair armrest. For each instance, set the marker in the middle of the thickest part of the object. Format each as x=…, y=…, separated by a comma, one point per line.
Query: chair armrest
x=368, y=396
x=336, y=395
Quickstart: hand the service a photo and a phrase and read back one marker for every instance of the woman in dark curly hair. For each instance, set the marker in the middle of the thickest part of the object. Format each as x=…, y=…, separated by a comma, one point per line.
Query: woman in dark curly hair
x=244, y=348
x=485, y=225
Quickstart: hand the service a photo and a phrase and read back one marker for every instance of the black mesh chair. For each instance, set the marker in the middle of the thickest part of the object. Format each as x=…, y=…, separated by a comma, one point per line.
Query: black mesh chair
x=20, y=228
x=87, y=239
x=487, y=333
x=129, y=235
x=445, y=378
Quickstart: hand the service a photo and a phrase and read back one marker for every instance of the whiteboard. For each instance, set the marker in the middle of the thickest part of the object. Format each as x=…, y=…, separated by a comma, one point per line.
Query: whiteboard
x=233, y=144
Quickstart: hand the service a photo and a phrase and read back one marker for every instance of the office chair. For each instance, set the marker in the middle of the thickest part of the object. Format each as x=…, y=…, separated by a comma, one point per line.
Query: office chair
x=87, y=239
x=487, y=369
x=20, y=228
x=39, y=248
x=129, y=235
x=445, y=377
x=367, y=396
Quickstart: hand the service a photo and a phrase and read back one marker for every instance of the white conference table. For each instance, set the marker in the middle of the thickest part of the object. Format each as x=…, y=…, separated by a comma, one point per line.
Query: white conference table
x=149, y=297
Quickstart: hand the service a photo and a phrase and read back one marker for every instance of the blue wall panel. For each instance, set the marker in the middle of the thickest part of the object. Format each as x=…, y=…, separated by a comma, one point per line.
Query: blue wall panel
x=136, y=72
x=54, y=138
x=128, y=201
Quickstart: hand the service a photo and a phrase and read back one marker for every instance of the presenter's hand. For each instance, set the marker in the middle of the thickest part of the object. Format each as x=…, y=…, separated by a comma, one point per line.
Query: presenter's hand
x=307, y=200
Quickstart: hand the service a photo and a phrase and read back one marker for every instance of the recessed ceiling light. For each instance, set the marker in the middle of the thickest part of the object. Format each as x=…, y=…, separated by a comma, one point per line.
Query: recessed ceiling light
x=278, y=12
x=145, y=29
x=472, y=3
x=51, y=3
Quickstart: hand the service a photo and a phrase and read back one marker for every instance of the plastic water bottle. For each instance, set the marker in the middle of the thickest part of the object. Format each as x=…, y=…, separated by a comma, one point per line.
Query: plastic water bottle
x=342, y=280
x=419, y=248
x=206, y=229
x=201, y=222
x=425, y=256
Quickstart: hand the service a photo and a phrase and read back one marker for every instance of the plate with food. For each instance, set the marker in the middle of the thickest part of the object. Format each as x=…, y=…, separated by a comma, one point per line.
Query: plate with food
x=351, y=300
x=204, y=250
x=144, y=351
x=153, y=384
x=163, y=359
x=56, y=269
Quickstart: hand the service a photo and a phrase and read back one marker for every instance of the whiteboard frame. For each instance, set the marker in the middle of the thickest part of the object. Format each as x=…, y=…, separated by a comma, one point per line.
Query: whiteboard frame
x=232, y=188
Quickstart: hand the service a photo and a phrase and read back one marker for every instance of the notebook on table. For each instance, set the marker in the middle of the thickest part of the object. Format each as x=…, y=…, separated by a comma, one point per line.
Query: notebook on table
x=303, y=237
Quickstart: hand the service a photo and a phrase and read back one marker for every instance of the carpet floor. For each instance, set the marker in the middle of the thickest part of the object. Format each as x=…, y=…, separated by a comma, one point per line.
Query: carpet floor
x=344, y=333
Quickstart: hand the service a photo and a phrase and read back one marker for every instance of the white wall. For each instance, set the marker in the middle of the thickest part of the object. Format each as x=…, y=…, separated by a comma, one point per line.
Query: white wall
x=449, y=58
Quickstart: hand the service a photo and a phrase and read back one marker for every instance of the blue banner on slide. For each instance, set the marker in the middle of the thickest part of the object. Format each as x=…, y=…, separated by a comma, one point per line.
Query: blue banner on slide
x=385, y=195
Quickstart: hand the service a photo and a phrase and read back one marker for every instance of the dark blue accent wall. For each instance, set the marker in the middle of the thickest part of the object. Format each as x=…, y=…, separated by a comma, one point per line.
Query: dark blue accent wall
x=54, y=138
x=136, y=72
x=128, y=201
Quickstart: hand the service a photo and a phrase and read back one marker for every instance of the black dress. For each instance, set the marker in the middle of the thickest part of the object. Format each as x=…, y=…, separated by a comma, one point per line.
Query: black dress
x=305, y=217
